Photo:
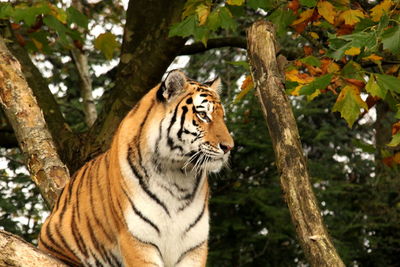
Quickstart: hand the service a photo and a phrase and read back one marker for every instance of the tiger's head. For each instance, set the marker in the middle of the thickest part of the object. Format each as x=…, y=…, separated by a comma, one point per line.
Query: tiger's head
x=192, y=133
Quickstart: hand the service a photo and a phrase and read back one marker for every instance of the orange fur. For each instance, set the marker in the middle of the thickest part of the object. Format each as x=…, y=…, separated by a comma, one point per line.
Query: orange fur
x=89, y=224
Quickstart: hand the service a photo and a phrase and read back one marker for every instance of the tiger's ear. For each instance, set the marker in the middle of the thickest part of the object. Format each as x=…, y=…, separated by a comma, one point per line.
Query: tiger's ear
x=215, y=85
x=173, y=85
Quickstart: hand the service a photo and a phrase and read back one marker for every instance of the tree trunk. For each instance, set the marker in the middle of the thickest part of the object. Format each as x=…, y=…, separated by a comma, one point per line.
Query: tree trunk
x=82, y=66
x=15, y=252
x=290, y=160
x=26, y=117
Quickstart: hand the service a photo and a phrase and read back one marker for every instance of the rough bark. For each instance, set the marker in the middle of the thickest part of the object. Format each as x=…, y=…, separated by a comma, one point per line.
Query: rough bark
x=66, y=142
x=82, y=66
x=27, y=120
x=15, y=252
x=290, y=160
x=145, y=55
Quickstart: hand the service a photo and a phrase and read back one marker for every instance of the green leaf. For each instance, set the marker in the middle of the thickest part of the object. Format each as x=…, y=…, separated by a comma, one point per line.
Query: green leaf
x=184, y=28
x=282, y=19
x=29, y=14
x=388, y=83
x=363, y=24
x=374, y=89
x=319, y=83
x=391, y=39
x=227, y=21
x=6, y=10
x=213, y=20
x=361, y=39
x=264, y=4
x=107, y=44
x=74, y=16
x=56, y=25
x=365, y=147
x=311, y=60
x=353, y=70
x=395, y=140
x=243, y=64
x=337, y=53
x=308, y=3
x=349, y=104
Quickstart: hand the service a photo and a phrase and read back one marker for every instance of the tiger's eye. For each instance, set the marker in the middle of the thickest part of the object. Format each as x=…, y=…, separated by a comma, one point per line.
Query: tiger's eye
x=202, y=114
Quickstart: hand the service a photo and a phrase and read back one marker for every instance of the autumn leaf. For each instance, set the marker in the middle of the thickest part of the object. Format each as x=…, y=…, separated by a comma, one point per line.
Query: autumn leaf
x=349, y=104
x=305, y=15
x=374, y=89
x=353, y=51
x=296, y=76
x=396, y=128
x=107, y=44
x=314, y=35
x=202, y=12
x=377, y=11
x=351, y=16
x=235, y=2
x=327, y=10
x=247, y=85
x=373, y=57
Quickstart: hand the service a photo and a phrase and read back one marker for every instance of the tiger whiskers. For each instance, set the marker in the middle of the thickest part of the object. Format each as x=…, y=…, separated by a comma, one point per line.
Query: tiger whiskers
x=189, y=161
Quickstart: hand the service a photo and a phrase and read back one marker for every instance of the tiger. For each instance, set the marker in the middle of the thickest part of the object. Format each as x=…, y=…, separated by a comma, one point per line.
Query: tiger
x=144, y=202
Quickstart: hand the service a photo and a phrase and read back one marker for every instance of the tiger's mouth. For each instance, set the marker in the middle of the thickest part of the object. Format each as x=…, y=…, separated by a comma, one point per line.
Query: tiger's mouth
x=206, y=158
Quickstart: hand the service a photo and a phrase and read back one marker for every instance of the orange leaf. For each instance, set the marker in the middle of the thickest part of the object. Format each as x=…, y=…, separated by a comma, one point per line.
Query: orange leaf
x=296, y=76
x=373, y=57
x=396, y=128
x=304, y=16
x=307, y=50
x=359, y=84
x=327, y=10
x=294, y=5
x=393, y=69
x=248, y=82
x=344, y=29
x=377, y=11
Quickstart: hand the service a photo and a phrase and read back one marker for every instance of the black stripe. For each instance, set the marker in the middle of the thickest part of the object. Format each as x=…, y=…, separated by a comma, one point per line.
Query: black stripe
x=78, y=191
x=193, y=193
x=138, y=213
x=189, y=250
x=63, y=241
x=138, y=139
x=92, y=204
x=151, y=244
x=143, y=185
x=198, y=218
x=99, y=248
x=184, y=111
x=60, y=255
x=77, y=236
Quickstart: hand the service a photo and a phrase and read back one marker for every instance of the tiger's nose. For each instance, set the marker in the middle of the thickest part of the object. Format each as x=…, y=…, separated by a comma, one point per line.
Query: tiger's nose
x=225, y=148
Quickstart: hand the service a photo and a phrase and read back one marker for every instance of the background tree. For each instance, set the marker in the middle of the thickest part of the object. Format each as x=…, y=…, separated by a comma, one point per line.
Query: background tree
x=344, y=58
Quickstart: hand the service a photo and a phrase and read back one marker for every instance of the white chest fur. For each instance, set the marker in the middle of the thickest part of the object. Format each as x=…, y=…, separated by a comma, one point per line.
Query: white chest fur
x=169, y=213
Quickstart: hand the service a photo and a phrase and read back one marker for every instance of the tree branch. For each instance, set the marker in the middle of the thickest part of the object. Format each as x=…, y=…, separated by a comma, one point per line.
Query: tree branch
x=15, y=252
x=25, y=116
x=290, y=160
x=213, y=43
x=66, y=142
x=81, y=62
x=145, y=55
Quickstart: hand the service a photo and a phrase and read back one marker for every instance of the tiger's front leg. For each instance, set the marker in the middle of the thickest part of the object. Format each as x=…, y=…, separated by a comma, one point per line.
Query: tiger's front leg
x=135, y=253
x=194, y=258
